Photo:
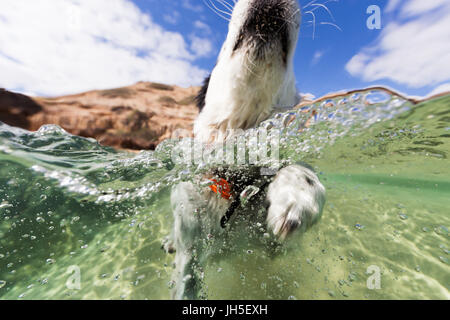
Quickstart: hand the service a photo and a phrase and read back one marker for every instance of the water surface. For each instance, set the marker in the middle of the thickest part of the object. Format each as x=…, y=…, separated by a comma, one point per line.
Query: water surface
x=67, y=201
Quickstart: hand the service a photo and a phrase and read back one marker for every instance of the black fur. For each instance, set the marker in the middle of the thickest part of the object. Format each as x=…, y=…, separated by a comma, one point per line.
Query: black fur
x=267, y=21
x=240, y=178
x=200, y=98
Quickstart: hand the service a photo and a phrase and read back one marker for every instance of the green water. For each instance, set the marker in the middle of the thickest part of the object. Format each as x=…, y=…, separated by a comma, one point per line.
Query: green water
x=67, y=201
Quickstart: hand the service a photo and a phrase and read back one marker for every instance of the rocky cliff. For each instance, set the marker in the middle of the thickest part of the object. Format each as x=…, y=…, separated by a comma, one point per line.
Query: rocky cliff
x=135, y=117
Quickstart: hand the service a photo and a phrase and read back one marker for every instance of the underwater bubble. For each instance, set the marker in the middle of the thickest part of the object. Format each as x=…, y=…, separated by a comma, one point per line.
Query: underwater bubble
x=359, y=226
x=328, y=104
x=289, y=118
x=40, y=219
x=187, y=278
x=343, y=102
x=5, y=204
x=355, y=97
x=84, y=246
x=52, y=129
x=50, y=261
x=171, y=284
x=441, y=230
x=375, y=97
x=267, y=125
x=278, y=116
x=248, y=193
x=5, y=149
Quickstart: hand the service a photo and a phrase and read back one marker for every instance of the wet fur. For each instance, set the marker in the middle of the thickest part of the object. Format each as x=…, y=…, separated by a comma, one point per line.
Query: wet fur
x=253, y=76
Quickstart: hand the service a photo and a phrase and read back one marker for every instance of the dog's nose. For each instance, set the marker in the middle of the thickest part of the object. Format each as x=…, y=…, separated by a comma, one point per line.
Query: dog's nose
x=266, y=18
x=267, y=21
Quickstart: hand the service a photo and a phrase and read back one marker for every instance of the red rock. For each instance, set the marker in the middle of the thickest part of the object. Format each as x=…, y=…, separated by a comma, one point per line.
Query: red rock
x=135, y=117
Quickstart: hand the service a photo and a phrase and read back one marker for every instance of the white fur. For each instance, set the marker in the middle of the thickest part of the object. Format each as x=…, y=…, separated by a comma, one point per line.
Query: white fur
x=241, y=94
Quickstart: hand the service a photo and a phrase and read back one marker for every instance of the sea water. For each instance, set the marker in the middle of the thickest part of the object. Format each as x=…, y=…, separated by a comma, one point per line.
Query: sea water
x=83, y=221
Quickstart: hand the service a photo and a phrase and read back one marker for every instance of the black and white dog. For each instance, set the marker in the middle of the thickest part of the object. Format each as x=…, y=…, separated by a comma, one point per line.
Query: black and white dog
x=253, y=76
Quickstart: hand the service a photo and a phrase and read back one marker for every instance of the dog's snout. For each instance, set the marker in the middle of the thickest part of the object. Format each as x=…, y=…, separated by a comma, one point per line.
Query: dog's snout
x=267, y=22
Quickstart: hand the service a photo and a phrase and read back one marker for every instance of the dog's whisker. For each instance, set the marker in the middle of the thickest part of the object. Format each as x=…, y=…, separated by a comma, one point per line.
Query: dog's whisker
x=309, y=4
x=226, y=5
x=316, y=6
x=215, y=11
x=332, y=24
x=249, y=69
x=219, y=10
x=314, y=22
x=319, y=5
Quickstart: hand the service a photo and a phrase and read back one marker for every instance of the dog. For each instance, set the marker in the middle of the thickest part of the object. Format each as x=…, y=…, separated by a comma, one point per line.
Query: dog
x=254, y=75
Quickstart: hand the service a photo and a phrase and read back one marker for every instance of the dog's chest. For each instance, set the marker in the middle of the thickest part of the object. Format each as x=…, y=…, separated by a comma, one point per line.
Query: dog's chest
x=245, y=188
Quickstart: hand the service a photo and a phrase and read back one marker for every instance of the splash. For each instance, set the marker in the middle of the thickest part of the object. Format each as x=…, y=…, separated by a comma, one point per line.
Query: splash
x=68, y=201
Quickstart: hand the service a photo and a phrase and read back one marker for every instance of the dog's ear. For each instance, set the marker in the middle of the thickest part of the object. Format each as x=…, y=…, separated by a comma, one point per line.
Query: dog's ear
x=200, y=98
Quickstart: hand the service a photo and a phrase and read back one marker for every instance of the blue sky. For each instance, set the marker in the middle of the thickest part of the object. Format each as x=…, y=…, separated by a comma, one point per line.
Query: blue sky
x=314, y=75
x=53, y=47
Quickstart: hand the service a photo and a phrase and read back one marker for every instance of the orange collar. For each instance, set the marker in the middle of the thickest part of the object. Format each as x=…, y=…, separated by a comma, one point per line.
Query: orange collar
x=222, y=188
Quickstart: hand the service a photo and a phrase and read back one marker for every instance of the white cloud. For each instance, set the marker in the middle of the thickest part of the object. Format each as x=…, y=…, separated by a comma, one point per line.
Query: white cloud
x=65, y=46
x=201, y=47
x=317, y=56
x=441, y=89
x=202, y=26
x=172, y=17
x=413, y=49
x=194, y=7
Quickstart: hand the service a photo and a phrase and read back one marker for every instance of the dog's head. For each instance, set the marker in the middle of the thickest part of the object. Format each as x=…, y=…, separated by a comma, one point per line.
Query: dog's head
x=254, y=72
x=261, y=33
x=261, y=27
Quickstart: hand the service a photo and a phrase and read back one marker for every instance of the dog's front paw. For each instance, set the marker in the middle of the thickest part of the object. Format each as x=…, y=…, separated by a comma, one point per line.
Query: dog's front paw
x=296, y=199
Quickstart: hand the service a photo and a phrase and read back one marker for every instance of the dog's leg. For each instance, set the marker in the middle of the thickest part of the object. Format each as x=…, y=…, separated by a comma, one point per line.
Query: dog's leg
x=186, y=201
x=296, y=199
